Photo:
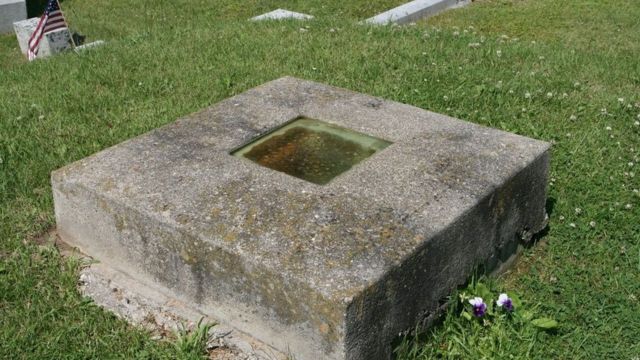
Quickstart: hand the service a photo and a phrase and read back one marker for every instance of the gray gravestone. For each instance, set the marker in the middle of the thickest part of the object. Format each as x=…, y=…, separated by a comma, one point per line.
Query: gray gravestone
x=415, y=10
x=281, y=14
x=10, y=12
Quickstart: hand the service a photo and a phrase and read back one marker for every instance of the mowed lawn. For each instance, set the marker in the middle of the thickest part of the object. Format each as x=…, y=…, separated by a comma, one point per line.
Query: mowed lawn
x=567, y=72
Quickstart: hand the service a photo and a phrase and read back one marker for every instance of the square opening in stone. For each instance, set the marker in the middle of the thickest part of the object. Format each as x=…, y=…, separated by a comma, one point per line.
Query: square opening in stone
x=311, y=150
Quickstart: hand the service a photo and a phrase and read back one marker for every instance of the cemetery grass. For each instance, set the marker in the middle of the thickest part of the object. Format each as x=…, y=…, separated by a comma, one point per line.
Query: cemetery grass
x=565, y=72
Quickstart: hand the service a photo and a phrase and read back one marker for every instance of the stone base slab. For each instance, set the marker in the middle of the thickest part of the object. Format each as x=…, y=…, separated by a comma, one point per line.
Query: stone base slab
x=158, y=311
x=415, y=10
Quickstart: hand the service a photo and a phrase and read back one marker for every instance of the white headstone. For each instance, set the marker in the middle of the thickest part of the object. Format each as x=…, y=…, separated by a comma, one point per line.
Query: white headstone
x=280, y=14
x=10, y=12
x=23, y=30
x=52, y=42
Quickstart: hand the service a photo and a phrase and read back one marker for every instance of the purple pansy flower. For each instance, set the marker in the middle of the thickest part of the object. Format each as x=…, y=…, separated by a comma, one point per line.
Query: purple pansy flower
x=505, y=302
x=479, y=307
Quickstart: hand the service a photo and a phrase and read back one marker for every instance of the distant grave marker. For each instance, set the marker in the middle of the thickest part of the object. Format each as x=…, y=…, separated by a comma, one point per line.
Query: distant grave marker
x=415, y=10
x=10, y=12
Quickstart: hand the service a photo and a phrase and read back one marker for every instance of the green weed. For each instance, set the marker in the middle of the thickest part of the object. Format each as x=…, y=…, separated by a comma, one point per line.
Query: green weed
x=192, y=344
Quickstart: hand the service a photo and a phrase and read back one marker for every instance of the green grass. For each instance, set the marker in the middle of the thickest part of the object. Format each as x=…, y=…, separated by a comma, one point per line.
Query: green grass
x=191, y=344
x=167, y=59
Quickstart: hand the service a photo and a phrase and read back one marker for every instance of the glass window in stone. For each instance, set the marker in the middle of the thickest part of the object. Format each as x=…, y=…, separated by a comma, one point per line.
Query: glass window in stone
x=310, y=149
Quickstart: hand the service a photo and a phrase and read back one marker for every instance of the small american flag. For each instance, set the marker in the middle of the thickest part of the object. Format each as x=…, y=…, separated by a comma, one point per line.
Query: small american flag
x=52, y=19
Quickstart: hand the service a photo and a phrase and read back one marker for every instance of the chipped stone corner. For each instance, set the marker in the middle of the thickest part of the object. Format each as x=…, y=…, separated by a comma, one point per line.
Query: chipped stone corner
x=162, y=315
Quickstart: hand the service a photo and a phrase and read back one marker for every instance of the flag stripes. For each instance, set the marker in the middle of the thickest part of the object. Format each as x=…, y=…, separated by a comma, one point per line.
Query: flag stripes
x=52, y=19
x=55, y=21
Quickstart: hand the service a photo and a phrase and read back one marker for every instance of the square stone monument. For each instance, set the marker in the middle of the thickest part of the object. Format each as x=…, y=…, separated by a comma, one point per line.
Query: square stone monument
x=321, y=221
x=10, y=12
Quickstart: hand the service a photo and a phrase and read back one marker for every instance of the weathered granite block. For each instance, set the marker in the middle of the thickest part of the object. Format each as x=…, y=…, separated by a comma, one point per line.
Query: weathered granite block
x=330, y=271
x=53, y=42
x=10, y=12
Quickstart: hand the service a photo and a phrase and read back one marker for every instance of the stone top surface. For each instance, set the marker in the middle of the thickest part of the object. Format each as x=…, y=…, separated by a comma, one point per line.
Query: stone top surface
x=336, y=238
x=280, y=14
